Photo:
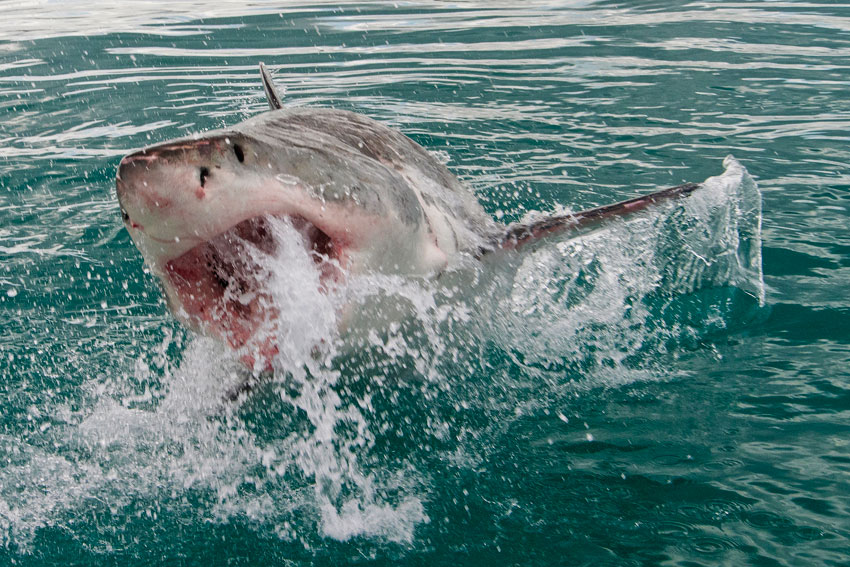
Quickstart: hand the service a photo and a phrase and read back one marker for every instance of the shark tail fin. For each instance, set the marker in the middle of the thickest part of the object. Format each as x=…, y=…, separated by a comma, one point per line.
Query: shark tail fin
x=271, y=92
x=518, y=235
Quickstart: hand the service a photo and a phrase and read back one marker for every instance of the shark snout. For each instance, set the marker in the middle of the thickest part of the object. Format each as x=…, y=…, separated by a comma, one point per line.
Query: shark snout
x=167, y=172
x=144, y=161
x=139, y=184
x=156, y=176
x=130, y=171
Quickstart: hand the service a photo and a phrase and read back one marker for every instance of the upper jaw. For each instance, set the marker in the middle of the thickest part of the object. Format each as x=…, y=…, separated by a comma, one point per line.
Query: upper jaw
x=167, y=215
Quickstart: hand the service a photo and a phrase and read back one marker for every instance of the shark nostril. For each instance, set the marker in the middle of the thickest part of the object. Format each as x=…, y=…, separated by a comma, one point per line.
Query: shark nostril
x=240, y=155
x=205, y=172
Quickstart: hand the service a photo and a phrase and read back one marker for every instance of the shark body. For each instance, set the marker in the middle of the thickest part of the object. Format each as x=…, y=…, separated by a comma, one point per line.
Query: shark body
x=364, y=197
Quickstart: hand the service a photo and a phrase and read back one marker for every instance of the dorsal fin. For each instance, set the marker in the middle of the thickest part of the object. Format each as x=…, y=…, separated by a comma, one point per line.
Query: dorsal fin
x=519, y=234
x=271, y=91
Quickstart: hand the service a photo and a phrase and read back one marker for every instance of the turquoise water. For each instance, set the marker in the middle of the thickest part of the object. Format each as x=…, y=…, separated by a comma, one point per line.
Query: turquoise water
x=639, y=395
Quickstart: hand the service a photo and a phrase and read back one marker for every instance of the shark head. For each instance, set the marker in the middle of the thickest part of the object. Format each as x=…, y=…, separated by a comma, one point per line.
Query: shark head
x=195, y=208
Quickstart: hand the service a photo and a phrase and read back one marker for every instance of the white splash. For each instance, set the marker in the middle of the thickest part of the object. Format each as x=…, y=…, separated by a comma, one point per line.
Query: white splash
x=599, y=299
x=729, y=206
x=306, y=443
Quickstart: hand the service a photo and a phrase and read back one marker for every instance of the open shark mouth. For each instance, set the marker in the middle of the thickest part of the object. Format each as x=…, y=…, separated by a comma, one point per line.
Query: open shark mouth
x=222, y=284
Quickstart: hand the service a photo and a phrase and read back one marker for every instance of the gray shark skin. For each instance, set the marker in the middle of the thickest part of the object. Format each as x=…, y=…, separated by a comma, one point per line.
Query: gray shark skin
x=365, y=198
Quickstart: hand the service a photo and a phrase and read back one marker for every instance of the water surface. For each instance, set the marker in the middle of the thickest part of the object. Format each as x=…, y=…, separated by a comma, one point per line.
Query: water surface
x=612, y=399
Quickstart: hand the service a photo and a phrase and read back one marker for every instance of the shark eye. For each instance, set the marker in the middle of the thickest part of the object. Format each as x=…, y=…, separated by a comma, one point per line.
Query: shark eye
x=124, y=216
x=237, y=149
x=204, y=174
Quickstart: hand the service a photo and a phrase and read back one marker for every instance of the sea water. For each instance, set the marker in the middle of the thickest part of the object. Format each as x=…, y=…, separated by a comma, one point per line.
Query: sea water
x=669, y=388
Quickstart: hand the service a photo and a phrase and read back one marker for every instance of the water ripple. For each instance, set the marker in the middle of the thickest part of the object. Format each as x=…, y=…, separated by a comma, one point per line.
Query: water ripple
x=616, y=409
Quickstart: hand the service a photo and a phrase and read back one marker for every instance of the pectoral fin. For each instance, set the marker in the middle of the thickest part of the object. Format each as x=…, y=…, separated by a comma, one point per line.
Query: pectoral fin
x=518, y=235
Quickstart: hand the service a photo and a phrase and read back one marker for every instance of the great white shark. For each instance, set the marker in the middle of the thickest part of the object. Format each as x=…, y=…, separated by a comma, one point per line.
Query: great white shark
x=365, y=198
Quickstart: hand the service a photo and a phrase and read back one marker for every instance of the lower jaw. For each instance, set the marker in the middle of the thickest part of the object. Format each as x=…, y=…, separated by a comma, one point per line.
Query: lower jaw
x=219, y=288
